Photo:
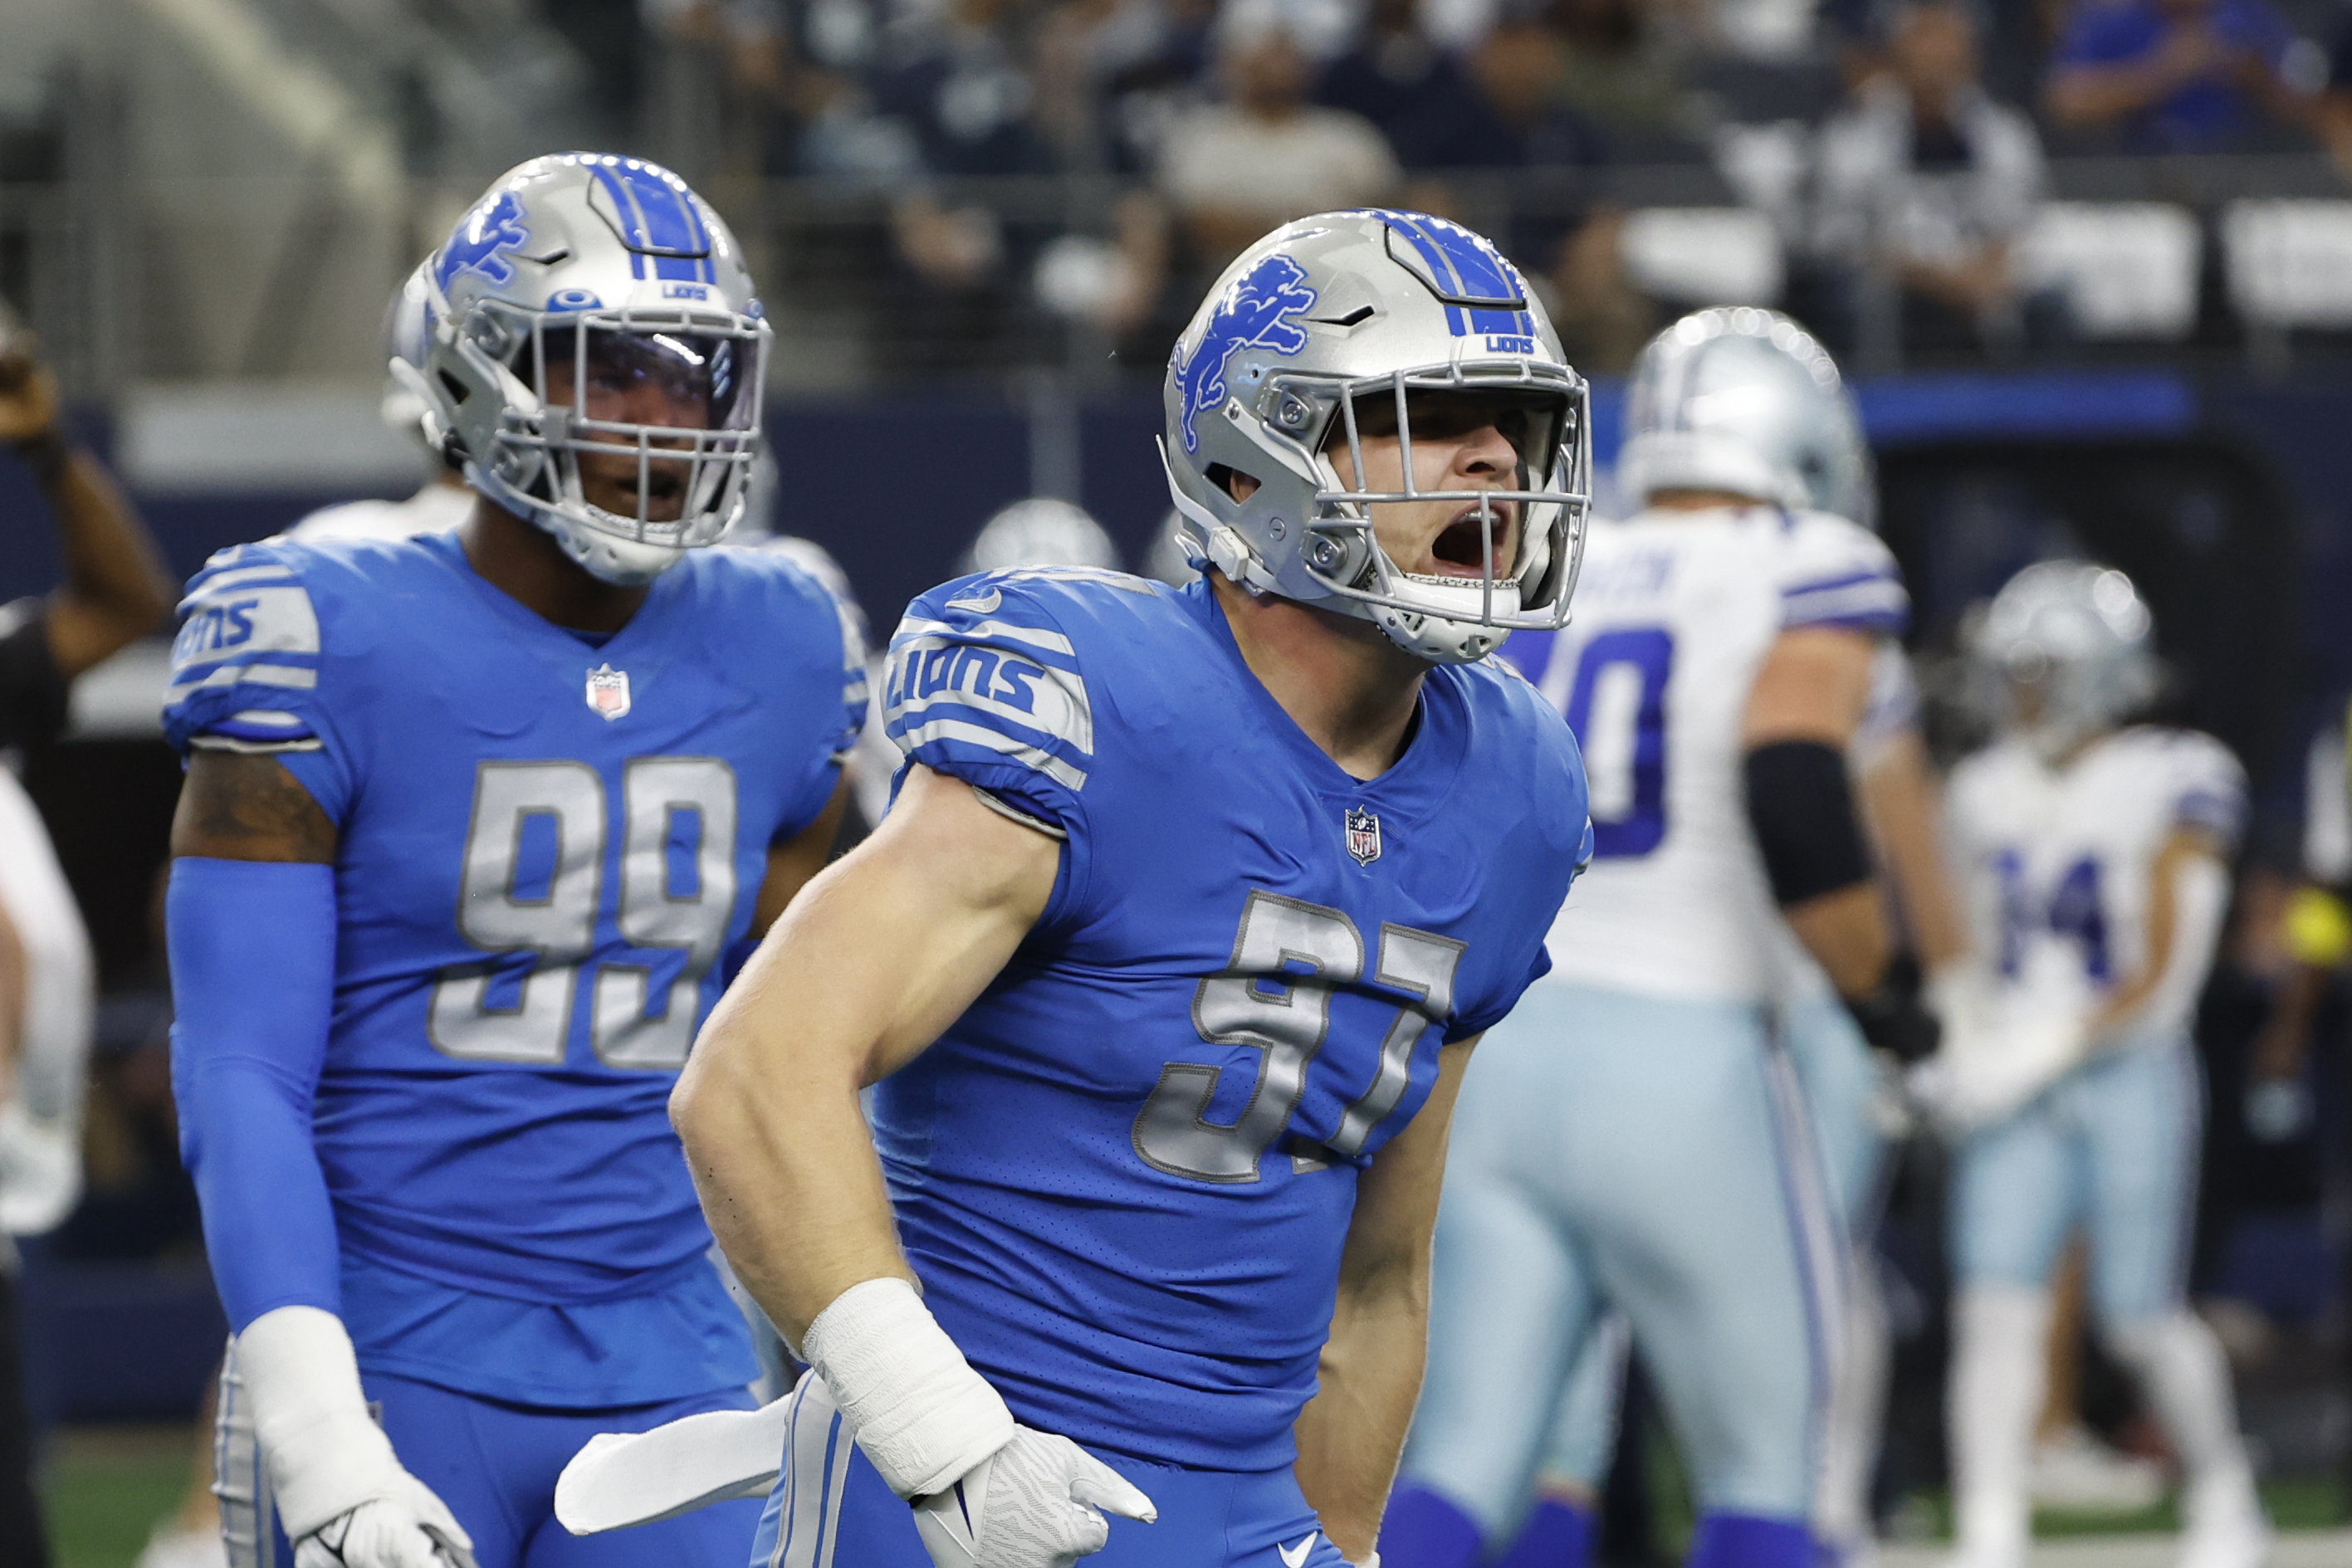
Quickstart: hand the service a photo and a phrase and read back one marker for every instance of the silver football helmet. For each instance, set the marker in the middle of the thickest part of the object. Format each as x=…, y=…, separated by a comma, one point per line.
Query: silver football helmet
x=2061, y=652
x=1040, y=531
x=591, y=309
x=1746, y=401
x=1341, y=319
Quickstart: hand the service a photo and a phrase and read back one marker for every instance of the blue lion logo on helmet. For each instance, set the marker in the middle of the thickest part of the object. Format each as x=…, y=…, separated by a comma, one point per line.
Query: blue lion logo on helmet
x=1252, y=314
x=483, y=238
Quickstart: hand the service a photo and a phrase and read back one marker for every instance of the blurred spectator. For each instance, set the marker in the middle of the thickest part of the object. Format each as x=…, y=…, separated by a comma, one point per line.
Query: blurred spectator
x=1395, y=73
x=1234, y=170
x=1923, y=176
x=2177, y=75
x=1621, y=66
x=115, y=593
x=1602, y=319
x=1505, y=115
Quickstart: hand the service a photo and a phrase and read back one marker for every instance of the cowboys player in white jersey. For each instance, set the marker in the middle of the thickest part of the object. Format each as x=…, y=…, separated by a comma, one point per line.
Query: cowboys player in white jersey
x=2094, y=855
x=1640, y=1138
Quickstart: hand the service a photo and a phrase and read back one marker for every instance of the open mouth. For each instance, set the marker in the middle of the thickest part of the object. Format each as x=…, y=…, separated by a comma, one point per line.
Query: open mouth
x=1461, y=551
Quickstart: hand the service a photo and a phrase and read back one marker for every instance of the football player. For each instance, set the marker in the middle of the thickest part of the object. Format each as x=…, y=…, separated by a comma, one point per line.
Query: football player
x=2094, y=855
x=471, y=822
x=1641, y=1140
x=1168, y=958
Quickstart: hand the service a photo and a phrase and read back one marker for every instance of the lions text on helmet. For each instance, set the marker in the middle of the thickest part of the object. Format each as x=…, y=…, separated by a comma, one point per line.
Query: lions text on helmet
x=1371, y=412
x=595, y=356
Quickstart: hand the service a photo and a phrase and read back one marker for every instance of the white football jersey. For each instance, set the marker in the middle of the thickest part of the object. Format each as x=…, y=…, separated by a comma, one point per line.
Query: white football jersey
x=2054, y=864
x=1675, y=614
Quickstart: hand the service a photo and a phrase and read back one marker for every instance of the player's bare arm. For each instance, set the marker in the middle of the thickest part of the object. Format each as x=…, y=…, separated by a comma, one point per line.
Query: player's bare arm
x=116, y=589
x=883, y=951
x=12, y=1003
x=238, y=806
x=1352, y=1432
x=1812, y=687
x=2191, y=865
x=1899, y=799
x=793, y=862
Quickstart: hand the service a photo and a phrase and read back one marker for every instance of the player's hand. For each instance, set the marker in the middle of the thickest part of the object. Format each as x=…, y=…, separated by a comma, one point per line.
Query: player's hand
x=28, y=392
x=1036, y=1503
x=413, y=1531
x=1985, y=1073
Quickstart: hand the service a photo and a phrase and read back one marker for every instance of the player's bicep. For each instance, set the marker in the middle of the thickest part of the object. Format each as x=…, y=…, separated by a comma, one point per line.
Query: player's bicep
x=242, y=806
x=1396, y=1197
x=887, y=946
x=1813, y=685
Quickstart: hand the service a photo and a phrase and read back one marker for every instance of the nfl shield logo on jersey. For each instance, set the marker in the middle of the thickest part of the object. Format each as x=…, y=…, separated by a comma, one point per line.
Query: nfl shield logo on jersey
x=608, y=693
x=1363, y=835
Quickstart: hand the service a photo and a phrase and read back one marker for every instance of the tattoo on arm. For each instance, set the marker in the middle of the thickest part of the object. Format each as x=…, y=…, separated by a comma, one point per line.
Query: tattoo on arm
x=240, y=807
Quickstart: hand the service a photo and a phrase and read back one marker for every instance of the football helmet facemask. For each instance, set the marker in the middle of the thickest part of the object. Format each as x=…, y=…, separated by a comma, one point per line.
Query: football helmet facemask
x=596, y=355
x=1329, y=334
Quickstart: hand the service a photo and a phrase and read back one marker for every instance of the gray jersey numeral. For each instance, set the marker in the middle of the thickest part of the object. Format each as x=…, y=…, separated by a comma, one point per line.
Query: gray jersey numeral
x=1275, y=995
x=677, y=890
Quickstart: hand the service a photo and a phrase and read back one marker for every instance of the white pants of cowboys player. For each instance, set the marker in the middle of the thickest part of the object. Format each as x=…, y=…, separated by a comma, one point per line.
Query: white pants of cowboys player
x=2112, y=1148
x=1647, y=1152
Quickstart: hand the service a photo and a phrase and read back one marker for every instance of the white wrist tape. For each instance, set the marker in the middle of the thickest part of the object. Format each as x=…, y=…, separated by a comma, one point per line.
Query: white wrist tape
x=920, y=1412
x=326, y=1456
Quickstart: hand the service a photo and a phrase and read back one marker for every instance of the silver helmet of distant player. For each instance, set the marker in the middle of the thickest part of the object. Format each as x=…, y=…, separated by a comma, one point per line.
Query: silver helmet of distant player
x=2064, y=653
x=592, y=309
x=1745, y=401
x=1040, y=531
x=1327, y=332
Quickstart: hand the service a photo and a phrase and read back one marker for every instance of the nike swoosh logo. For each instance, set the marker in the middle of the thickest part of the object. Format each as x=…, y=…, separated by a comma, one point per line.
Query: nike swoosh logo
x=987, y=604
x=1292, y=1556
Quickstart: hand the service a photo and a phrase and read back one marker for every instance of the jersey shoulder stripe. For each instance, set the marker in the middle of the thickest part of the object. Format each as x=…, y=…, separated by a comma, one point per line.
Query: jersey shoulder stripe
x=247, y=654
x=1836, y=573
x=985, y=684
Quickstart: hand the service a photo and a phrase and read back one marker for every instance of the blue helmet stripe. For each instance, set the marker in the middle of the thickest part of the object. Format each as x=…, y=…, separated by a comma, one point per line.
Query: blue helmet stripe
x=1466, y=266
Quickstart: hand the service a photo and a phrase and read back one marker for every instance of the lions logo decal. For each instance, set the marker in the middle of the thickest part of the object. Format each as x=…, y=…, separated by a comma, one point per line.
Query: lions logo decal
x=494, y=227
x=1253, y=314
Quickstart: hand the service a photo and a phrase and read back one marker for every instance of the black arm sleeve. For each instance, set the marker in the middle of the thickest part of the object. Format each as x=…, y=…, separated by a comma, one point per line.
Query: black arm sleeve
x=1801, y=809
x=32, y=692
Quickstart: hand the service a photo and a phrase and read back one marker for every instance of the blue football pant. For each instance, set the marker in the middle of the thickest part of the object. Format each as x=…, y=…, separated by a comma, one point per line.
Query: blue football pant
x=2113, y=1148
x=832, y=1510
x=1612, y=1149
x=494, y=1466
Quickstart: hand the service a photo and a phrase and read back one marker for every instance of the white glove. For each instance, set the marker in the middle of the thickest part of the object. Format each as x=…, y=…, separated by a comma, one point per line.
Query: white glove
x=341, y=1494
x=1989, y=1067
x=988, y=1493
x=387, y=1534
x=1033, y=1503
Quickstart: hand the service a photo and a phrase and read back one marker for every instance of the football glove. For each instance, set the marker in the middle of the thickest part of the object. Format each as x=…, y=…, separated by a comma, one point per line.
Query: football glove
x=341, y=1494
x=1036, y=1503
x=1989, y=1066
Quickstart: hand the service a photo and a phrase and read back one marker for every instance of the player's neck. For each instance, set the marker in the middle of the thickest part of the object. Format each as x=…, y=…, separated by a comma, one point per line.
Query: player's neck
x=1338, y=678
x=528, y=566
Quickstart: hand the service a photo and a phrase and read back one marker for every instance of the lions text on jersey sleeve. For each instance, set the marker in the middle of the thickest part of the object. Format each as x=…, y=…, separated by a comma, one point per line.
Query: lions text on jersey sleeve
x=1126, y=1173
x=1675, y=613
x=548, y=843
x=2056, y=863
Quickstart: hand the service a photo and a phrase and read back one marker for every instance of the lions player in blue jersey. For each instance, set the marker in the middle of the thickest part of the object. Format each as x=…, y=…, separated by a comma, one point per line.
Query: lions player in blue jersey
x=1169, y=957
x=470, y=826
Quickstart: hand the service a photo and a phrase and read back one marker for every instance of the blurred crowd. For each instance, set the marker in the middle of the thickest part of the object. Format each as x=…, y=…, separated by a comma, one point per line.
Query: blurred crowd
x=1893, y=143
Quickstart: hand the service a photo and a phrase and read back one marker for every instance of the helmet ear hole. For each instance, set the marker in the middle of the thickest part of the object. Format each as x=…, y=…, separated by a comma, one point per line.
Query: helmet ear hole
x=1241, y=486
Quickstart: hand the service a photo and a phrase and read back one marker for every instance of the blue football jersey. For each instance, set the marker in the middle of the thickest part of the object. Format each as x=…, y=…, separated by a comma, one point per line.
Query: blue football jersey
x=1126, y=1173
x=548, y=842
